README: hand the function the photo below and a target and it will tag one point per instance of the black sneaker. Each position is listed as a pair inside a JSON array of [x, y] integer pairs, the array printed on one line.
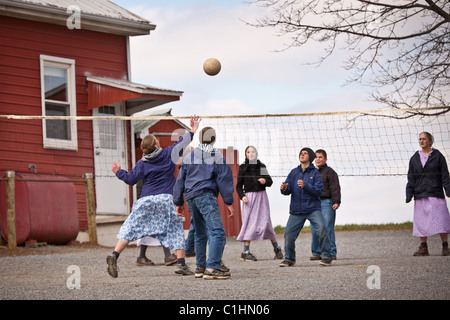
[[113, 270], [278, 253], [325, 262], [199, 271], [183, 270], [247, 256], [287, 263], [212, 274]]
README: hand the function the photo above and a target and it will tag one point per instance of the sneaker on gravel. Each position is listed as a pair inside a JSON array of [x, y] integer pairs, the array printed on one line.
[[247, 256], [212, 274], [113, 270], [278, 253], [286, 263], [183, 270], [325, 262], [422, 251], [199, 271]]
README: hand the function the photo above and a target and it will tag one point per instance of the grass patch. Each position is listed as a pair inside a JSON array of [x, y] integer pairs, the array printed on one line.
[[359, 227]]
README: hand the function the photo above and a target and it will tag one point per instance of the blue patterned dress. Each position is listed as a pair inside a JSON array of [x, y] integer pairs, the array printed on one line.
[[154, 216], [154, 213]]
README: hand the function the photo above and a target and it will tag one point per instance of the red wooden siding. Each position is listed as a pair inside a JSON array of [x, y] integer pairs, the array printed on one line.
[[232, 225], [21, 44], [167, 127]]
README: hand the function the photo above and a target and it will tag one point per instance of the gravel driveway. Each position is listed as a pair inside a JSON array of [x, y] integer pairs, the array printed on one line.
[[371, 265]]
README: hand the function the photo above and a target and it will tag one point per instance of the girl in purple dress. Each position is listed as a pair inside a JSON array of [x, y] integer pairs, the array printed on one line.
[[252, 181], [427, 177]]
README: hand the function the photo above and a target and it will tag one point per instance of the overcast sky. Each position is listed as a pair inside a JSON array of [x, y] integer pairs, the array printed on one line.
[[257, 77]]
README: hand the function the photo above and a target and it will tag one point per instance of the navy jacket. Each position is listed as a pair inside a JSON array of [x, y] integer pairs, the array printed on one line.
[[427, 181], [202, 172], [157, 172], [307, 199]]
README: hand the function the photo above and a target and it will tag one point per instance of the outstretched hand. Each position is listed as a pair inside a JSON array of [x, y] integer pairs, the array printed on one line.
[[115, 167], [195, 123]]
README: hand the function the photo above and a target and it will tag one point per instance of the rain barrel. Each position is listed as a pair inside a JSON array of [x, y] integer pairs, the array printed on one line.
[[44, 211]]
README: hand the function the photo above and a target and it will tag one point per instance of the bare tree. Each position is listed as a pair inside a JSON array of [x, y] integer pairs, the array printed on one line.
[[401, 48]]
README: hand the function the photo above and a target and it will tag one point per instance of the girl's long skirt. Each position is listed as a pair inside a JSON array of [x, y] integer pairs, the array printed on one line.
[[154, 216], [256, 222], [431, 217]]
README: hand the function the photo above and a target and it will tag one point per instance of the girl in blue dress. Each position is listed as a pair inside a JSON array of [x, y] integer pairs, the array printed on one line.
[[154, 213]]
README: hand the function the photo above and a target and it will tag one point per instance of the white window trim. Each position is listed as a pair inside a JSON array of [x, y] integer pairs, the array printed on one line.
[[69, 65]]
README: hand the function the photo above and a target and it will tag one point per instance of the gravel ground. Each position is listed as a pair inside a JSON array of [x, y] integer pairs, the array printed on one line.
[[364, 257]]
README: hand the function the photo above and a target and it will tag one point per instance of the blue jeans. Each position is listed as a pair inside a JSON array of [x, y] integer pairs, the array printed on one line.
[[294, 226], [329, 218], [208, 226], [189, 246]]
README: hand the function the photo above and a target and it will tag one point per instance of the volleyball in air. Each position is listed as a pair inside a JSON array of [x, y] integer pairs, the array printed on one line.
[[211, 66]]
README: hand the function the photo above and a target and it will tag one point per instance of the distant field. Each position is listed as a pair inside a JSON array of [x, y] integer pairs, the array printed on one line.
[[358, 227]]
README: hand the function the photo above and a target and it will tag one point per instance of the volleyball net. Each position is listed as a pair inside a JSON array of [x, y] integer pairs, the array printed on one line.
[[376, 143], [358, 143]]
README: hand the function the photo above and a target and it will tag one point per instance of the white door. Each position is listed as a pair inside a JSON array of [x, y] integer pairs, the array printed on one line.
[[109, 145]]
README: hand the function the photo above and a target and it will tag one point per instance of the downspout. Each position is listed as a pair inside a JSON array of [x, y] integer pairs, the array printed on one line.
[[132, 136]]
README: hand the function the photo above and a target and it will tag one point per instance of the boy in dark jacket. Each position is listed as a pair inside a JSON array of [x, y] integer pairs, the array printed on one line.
[[304, 184], [330, 200], [203, 175]]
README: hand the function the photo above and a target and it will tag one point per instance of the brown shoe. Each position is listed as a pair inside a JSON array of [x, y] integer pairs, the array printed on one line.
[[421, 252], [144, 262], [170, 260], [223, 267], [445, 251]]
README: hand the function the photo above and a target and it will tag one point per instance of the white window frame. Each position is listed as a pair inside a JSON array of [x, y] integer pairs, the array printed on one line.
[[69, 65]]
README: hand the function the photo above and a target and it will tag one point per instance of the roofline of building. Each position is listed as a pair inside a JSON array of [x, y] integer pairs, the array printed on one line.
[[60, 16], [135, 87]]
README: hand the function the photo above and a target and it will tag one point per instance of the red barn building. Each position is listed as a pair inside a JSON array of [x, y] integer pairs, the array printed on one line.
[[50, 66]]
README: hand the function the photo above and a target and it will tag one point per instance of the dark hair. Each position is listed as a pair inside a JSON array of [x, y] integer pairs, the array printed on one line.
[[207, 135], [323, 152], [245, 152]]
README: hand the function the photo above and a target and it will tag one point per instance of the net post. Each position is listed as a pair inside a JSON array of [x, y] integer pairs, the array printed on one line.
[[11, 209], [90, 207]]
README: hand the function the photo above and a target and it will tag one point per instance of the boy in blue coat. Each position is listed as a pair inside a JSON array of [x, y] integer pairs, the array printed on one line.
[[203, 175], [304, 184]]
